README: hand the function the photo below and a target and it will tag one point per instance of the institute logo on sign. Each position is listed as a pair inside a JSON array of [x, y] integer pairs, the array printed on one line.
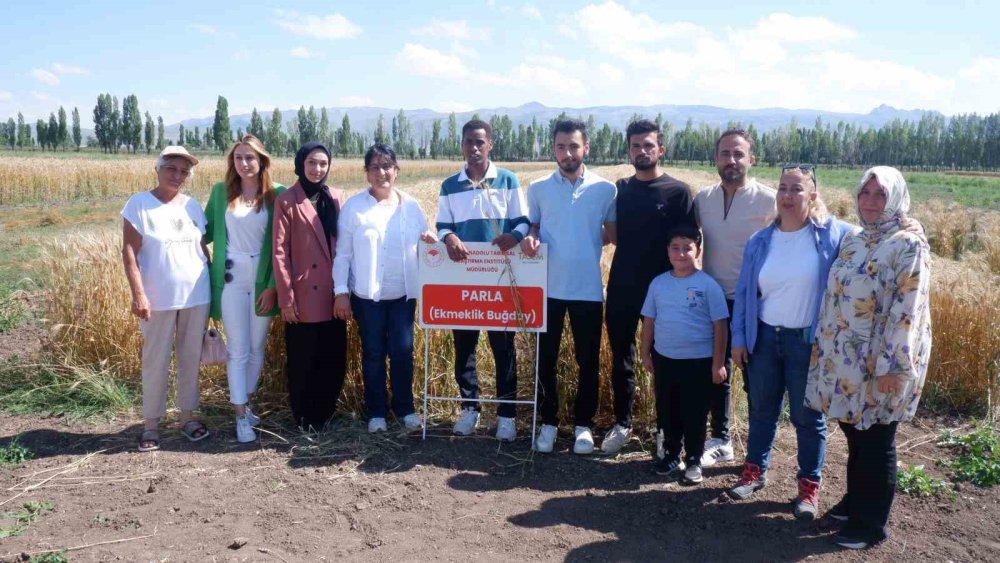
[[433, 255]]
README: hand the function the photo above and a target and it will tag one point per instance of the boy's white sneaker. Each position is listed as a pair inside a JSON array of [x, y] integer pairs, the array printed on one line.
[[251, 416], [467, 422], [584, 444], [615, 439], [412, 422], [546, 439], [506, 429], [377, 425]]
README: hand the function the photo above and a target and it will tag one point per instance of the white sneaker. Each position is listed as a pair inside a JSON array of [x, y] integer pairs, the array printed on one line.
[[467, 422], [251, 416], [717, 449], [546, 439], [377, 425], [506, 429], [584, 441], [660, 451], [412, 422], [693, 476], [615, 439], [244, 431]]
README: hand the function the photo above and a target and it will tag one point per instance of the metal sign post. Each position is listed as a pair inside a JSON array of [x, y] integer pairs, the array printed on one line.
[[491, 290]]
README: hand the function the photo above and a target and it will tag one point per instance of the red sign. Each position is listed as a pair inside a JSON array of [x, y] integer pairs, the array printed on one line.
[[483, 305]]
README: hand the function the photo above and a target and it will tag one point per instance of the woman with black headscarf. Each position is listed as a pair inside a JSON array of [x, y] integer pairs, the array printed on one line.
[[305, 237]]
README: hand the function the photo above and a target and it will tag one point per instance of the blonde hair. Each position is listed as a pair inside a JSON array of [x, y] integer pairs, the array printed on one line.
[[265, 195]]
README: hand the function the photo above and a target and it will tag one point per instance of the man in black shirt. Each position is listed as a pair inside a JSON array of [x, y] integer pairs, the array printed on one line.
[[650, 205]]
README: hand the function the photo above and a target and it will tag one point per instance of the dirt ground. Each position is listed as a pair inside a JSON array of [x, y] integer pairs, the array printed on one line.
[[344, 495]]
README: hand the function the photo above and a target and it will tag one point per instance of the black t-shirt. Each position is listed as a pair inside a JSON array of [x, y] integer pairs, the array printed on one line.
[[646, 214]]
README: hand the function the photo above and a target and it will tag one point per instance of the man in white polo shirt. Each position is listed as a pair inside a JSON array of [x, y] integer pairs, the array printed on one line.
[[573, 211], [729, 212]]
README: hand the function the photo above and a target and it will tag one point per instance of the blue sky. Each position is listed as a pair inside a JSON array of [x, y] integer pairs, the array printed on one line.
[[178, 57]]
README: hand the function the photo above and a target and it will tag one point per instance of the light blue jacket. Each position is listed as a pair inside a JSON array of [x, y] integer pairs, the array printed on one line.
[[747, 299]]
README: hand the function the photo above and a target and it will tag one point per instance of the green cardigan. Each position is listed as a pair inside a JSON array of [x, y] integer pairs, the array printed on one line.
[[215, 233]]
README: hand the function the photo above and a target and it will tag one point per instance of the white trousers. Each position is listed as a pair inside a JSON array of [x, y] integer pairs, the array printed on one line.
[[246, 333]]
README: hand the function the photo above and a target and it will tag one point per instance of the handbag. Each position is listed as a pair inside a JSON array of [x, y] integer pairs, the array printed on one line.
[[213, 348]]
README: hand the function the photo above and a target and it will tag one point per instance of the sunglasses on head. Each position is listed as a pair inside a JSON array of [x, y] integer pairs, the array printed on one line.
[[802, 167], [229, 266]]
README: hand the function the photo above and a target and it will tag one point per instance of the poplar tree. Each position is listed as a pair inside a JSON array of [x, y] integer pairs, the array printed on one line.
[[63, 132], [77, 135], [53, 132], [181, 139], [41, 132], [274, 139], [220, 127], [149, 133], [256, 125], [159, 133]]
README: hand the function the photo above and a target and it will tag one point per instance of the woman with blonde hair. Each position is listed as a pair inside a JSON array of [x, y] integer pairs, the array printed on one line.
[[870, 360], [785, 266], [240, 211]]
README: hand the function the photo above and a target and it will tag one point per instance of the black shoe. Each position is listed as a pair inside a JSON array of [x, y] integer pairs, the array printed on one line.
[[850, 540], [839, 511], [670, 467]]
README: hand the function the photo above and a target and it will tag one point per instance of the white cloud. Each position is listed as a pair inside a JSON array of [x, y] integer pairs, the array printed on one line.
[[69, 69], [205, 28], [450, 29], [424, 61], [354, 101], [332, 26], [612, 28], [41, 96], [45, 77], [876, 80], [530, 11], [983, 69], [786, 28], [302, 53], [548, 79]]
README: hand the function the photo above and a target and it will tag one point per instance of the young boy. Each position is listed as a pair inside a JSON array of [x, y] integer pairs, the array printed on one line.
[[684, 329]]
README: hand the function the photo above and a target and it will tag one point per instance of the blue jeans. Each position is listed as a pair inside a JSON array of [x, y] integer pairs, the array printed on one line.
[[780, 362], [386, 329]]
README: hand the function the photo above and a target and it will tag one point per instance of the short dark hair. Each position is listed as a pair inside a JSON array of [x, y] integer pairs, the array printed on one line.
[[689, 232], [570, 126], [380, 150], [475, 124], [734, 133], [642, 127]]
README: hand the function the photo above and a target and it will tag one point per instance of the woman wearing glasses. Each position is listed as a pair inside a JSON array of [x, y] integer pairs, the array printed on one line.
[[305, 239], [781, 283], [167, 270], [874, 340], [239, 212], [375, 279]]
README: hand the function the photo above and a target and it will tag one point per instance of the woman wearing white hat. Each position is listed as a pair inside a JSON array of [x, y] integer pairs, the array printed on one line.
[[167, 270]]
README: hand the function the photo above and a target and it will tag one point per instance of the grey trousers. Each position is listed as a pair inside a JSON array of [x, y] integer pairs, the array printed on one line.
[[181, 331]]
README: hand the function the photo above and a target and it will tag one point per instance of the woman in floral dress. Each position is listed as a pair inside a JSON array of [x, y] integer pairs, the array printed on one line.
[[873, 341]]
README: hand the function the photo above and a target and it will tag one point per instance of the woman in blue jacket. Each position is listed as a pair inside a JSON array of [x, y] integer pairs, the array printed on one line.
[[784, 272]]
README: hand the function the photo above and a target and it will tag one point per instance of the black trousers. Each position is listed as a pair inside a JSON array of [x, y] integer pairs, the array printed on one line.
[[683, 388], [722, 393], [585, 322], [316, 361], [871, 479], [505, 358], [621, 314]]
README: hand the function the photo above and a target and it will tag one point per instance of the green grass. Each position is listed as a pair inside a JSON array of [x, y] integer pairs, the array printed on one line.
[[978, 460], [13, 310], [14, 454], [50, 557], [915, 481], [23, 518], [75, 393]]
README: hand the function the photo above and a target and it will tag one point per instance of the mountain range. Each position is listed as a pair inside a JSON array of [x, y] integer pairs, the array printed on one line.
[[421, 120]]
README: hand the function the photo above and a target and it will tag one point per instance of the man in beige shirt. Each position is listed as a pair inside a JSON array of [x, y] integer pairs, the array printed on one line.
[[729, 212]]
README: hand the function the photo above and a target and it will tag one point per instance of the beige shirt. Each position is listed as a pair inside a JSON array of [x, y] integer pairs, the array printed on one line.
[[727, 235]]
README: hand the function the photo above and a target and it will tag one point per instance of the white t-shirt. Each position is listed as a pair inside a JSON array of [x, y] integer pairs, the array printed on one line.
[[789, 279], [245, 228], [173, 267]]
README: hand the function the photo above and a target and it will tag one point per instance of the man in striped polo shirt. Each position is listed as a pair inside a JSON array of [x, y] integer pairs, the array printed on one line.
[[482, 203]]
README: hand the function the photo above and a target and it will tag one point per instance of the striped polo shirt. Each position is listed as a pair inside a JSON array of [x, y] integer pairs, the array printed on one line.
[[481, 213]]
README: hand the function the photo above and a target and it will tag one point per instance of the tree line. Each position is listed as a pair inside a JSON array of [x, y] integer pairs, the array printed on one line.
[[967, 141]]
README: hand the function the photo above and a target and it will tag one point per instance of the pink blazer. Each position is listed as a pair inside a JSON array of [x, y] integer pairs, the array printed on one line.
[[303, 258]]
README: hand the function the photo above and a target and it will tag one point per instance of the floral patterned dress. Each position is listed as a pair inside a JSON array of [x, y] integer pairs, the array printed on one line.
[[874, 321]]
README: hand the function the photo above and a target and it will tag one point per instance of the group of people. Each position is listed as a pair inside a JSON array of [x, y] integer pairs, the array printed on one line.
[[834, 315]]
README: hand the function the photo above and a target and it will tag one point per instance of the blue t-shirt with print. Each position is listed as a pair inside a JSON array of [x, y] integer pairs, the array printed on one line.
[[683, 310]]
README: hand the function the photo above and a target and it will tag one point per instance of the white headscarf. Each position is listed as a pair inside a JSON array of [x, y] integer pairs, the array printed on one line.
[[897, 197]]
